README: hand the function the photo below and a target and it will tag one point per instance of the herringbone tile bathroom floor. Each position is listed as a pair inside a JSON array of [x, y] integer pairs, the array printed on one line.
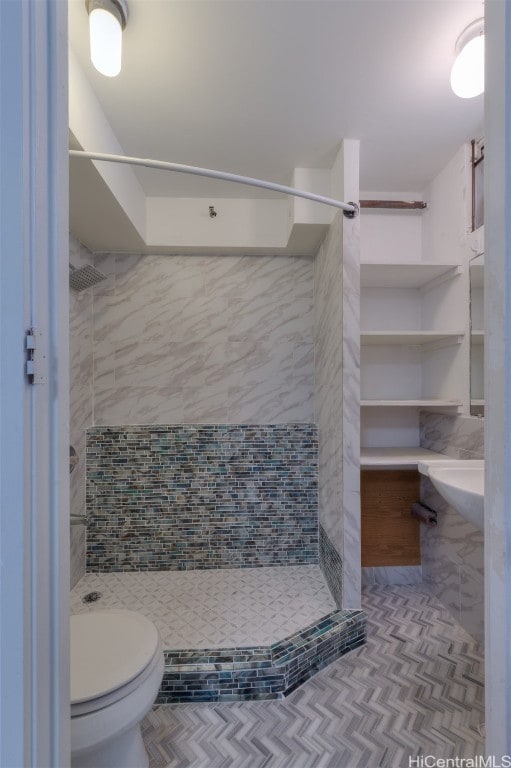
[[415, 688]]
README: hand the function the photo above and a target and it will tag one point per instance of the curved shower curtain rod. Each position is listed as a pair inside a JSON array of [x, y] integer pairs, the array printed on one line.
[[350, 209]]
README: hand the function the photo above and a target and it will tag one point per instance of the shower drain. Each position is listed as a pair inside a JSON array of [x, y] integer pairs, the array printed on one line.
[[92, 597]]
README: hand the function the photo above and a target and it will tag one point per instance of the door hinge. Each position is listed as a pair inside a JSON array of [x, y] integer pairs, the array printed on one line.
[[36, 365]]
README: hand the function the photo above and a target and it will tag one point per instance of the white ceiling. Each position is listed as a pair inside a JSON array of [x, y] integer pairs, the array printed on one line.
[[259, 87]]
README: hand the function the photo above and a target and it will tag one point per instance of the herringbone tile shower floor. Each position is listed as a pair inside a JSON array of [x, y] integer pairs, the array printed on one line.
[[415, 688]]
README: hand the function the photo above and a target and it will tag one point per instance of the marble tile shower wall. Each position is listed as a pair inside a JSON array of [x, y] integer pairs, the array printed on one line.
[[201, 496], [203, 339], [328, 330], [452, 553], [329, 374], [80, 400]]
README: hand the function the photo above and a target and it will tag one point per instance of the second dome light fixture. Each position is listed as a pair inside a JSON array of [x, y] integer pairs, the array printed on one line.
[[467, 74], [107, 19]]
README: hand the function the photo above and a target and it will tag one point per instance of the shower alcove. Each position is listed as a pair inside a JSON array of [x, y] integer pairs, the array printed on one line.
[[212, 532]]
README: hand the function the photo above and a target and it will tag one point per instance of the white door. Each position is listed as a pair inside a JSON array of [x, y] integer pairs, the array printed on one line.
[[497, 350], [34, 526]]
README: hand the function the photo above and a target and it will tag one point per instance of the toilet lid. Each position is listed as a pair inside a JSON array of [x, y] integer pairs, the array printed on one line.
[[108, 649]]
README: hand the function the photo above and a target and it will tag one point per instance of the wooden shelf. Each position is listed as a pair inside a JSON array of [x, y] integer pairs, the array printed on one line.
[[405, 275], [452, 405], [409, 338]]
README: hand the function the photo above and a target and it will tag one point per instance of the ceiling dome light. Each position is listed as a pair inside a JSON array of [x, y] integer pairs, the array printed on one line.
[[107, 19], [467, 74]]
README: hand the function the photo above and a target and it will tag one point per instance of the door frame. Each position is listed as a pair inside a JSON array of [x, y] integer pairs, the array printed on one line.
[[34, 417]]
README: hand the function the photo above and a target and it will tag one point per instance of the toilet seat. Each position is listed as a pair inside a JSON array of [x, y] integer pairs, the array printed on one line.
[[112, 653]]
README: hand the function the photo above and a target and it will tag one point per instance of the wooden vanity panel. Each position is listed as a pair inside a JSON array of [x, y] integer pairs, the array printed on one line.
[[390, 535]]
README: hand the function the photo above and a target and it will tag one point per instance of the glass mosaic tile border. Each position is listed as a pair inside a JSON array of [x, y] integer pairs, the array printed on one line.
[[330, 562], [256, 673]]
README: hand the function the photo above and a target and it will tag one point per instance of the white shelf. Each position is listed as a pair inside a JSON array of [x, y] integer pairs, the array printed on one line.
[[409, 338], [396, 458], [477, 402], [477, 338], [418, 403], [405, 275], [414, 323]]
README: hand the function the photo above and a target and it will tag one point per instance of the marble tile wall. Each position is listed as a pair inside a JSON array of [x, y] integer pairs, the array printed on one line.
[[452, 553], [80, 398], [185, 497], [398, 575], [328, 305], [461, 437], [337, 335], [203, 339], [352, 585]]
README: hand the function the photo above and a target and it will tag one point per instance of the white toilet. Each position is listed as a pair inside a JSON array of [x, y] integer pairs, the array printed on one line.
[[116, 671]]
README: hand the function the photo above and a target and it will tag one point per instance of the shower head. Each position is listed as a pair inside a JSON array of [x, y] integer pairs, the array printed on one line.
[[84, 277]]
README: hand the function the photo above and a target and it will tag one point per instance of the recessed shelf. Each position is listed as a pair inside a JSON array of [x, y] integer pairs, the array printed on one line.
[[409, 338], [405, 275], [418, 403], [396, 458], [477, 338], [414, 331]]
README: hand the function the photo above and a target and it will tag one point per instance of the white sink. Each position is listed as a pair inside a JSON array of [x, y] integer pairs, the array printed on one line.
[[461, 484]]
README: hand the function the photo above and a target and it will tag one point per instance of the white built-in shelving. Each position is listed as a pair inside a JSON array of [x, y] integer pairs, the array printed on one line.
[[422, 402], [414, 317], [406, 327], [421, 274], [410, 338], [396, 458]]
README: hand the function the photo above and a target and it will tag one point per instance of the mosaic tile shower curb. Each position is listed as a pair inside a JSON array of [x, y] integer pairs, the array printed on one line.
[[189, 496], [330, 562], [257, 673]]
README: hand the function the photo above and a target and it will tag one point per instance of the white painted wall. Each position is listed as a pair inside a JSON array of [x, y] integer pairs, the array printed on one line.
[[318, 181], [446, 236], [240, 223], [376, 433], [91, 129], [446, 220], [388, 236]]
